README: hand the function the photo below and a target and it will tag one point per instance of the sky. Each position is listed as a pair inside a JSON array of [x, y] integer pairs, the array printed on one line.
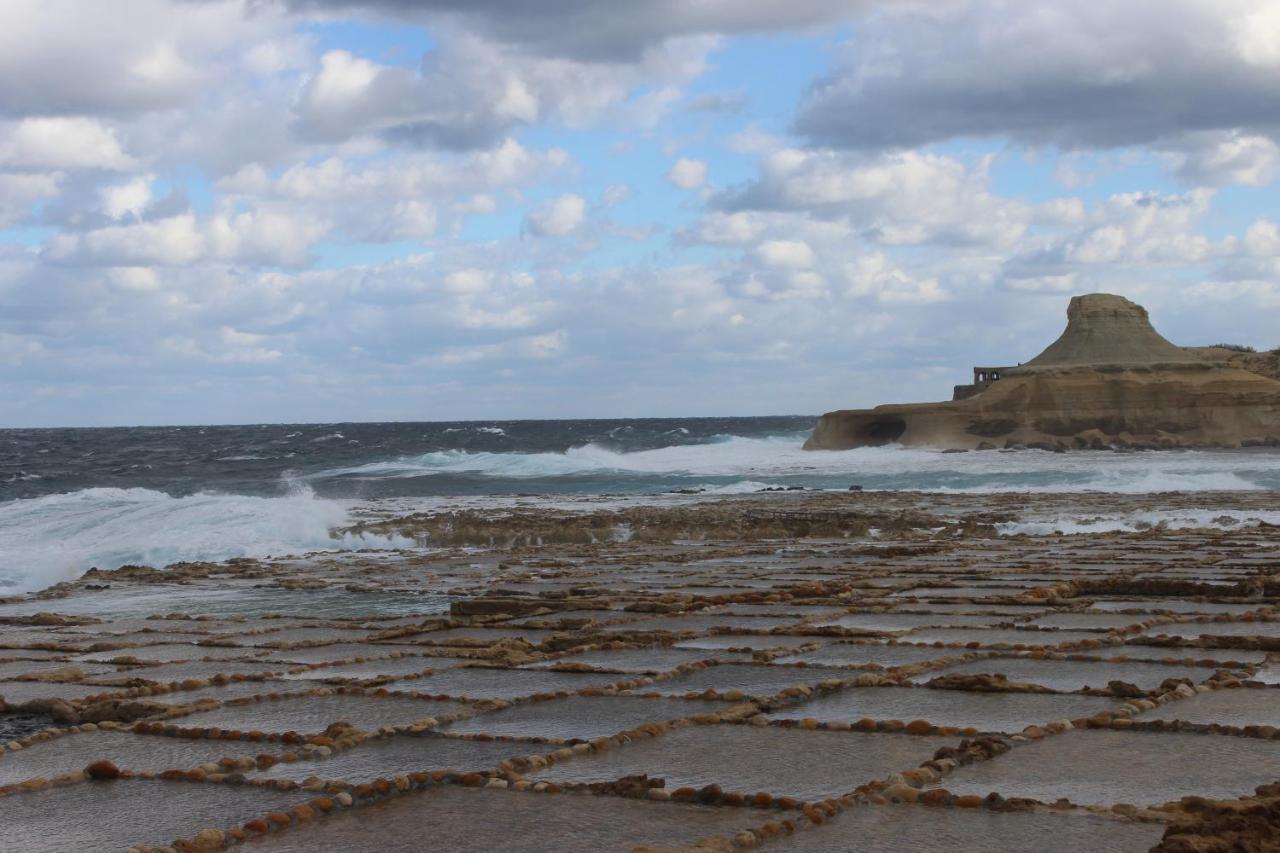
[[243, 211]]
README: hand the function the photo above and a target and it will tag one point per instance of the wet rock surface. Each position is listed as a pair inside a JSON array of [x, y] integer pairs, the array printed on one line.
[[798, 671]]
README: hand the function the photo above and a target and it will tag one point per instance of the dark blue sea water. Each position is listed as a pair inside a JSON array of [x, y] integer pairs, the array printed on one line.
[[370, 459], [75, 498]]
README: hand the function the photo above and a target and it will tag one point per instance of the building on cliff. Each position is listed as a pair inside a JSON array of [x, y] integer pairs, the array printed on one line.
[[1110, 380]]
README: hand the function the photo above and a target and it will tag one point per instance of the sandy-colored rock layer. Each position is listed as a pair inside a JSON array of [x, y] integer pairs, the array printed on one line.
[[1109, 381]]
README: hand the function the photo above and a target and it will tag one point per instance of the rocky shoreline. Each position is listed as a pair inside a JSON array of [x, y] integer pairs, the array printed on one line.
[[795, 671]]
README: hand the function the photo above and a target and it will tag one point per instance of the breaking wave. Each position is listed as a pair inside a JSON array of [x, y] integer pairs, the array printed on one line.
[[743, 463], [55, 538]]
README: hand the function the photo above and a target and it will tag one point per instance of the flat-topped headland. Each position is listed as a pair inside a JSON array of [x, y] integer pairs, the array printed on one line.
[[1110, 380]]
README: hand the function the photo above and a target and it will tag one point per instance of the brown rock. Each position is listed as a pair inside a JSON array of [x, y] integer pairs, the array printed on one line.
[[936, 797], [103, 769]]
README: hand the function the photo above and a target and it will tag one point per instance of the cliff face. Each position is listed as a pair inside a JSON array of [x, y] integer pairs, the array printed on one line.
[[1110, 380], [1263, 363]]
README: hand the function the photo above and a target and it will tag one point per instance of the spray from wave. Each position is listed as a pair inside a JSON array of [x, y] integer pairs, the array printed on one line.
[[55, 538]]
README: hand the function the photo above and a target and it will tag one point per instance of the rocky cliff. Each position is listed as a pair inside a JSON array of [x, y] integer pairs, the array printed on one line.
[[1110, 380]]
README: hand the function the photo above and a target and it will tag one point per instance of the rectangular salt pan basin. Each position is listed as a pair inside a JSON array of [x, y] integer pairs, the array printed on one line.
[[912, 829], [292, 636], [231, 690], [131, 600], [340, 652], [753, 680], [1191, 630], [802, 610], [399, 667], [167, 672], [960, 592], [979, 607], [1097, 767], [309, 714], [27, 668], [387, 757], [172, 652], [1073, 675], [460, 820], [19, 692], [747, 641], [1172, 605], [582, 717], [908, 621], [986, 712], [1099, 621], [1240, 707], [70, 753], [992, 637], [486, 683], [1137, 650], [472, 636], [701, 622], [641, 660], [862, 654], [783, 762], [121, 814]]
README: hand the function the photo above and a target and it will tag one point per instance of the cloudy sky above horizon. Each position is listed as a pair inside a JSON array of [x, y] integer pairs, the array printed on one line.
[[228, 211]]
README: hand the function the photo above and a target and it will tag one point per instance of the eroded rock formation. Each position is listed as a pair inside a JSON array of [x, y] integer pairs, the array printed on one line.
[[1110, 380]]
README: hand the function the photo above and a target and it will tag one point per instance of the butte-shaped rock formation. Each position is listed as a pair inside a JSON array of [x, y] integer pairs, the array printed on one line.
[[1110, 380]]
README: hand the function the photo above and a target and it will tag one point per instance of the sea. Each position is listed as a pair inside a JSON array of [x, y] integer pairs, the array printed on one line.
[[75, 498]]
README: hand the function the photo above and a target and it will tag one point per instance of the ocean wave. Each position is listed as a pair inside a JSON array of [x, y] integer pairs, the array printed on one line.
[[780, 460], [55, 538]]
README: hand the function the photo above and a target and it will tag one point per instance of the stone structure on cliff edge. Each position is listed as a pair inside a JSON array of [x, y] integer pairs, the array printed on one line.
[[1110, 380]]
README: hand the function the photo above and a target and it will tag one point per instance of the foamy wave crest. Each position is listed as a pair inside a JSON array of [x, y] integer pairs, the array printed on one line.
[[50, 539], [723, 456], [780, 459]]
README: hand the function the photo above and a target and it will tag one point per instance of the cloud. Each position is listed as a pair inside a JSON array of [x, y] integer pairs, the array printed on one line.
[[411, 195], [1138, 230], [874, 275], [89, 58], [262, 210], [255, 236], [785, 254], [902, 198], [601, 30], [557, 217], [18, 192], [129, 198], [1073, 73], [1227, 157], [61, 143], [1263, 239], [688, 174], [470, 92]]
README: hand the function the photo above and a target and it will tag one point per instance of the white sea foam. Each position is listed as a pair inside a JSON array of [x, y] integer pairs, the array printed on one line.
[[55, 538], [764, 460], [1169, 519]]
